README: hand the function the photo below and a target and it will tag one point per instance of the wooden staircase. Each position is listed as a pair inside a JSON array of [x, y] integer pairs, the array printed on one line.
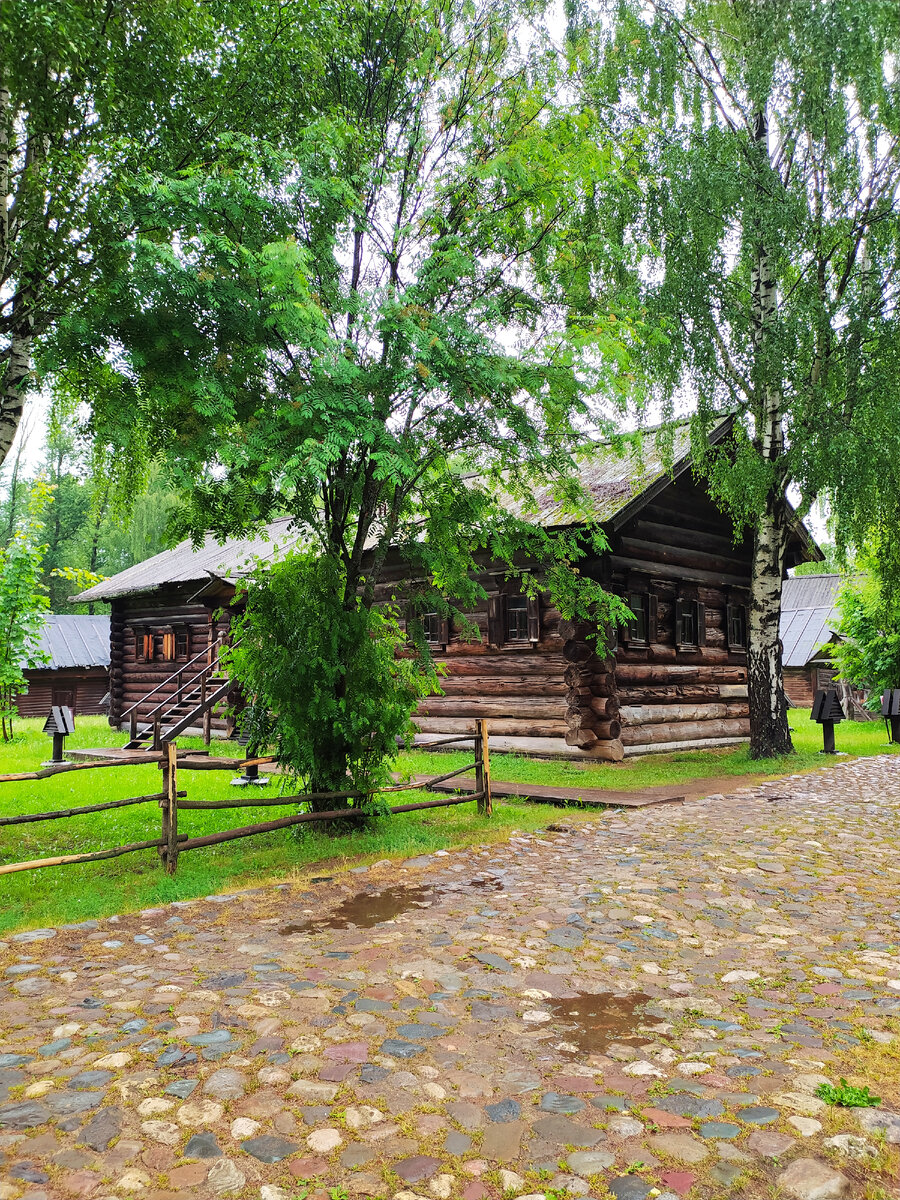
[[190, 695]]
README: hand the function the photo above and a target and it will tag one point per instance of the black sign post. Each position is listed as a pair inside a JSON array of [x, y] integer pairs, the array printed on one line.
[[890, 710], [828, 711], [59, 725]]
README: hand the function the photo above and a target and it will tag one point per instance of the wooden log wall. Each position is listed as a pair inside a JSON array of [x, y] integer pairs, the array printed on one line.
[[130, 678], [680, 546], [83, 690]]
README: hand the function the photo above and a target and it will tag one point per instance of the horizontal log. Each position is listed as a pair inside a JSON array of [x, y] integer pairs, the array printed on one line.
[[533, 686], [676, 673], [638, 751], [525, 728], [687, 558], [672, 535], [474, 706], [514, 664], [662, 714], [555, 747], [680, 574], [64, 859], [677, 692], [675, 731], [29, 818]]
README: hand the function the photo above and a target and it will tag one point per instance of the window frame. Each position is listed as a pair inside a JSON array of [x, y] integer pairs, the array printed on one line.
[[687, 604]]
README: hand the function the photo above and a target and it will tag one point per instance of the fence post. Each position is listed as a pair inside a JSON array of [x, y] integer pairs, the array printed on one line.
[[483, 769], [169, 805]]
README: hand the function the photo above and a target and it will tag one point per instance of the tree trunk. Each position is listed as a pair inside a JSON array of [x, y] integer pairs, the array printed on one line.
[[769, 732]]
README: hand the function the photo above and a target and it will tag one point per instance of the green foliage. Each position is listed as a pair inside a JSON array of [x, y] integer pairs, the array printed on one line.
[[23, 599], [869, 655], [333, 676], [846, 1096]]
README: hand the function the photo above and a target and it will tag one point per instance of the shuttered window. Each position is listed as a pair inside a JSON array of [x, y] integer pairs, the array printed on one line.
[[690, 624], [736, 621], [514, 618], [168, 647], [638, 628], [436, 629]]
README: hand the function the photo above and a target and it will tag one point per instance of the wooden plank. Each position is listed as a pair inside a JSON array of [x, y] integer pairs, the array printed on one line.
[[569, 795]]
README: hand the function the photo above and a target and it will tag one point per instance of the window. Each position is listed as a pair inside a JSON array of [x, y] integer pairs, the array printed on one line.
[[638, 626], [143, 645], [690, 624], [517, 618], [514, 619], [736, 619], [431, 625], [182, 642]]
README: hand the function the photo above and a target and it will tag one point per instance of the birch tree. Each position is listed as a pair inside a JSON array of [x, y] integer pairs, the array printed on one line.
[[766, 248]]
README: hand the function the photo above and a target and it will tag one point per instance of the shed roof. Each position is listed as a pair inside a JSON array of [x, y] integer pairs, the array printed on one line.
[[809, 616], [73, 641]]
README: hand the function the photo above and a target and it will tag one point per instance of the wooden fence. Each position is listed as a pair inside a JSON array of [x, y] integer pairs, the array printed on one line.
[[172, 802]]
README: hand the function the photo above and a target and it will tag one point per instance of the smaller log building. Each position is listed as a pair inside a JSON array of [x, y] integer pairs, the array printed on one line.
[[809, 620], [76, 673], [676, 679]]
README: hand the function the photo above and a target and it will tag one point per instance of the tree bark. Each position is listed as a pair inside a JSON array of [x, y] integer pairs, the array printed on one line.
[[769, 732]]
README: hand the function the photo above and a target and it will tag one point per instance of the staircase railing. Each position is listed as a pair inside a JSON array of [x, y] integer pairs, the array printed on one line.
[[200, 680]]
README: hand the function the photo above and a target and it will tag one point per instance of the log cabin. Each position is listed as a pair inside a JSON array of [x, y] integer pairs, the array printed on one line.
[[75, 670], [675, 679]]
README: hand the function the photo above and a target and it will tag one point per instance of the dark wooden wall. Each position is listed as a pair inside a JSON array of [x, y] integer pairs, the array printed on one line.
[[130, 678], [556, 697], [82, 689], [681, 545]]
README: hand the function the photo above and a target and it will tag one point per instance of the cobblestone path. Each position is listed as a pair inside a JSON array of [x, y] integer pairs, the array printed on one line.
[[639, 1005]]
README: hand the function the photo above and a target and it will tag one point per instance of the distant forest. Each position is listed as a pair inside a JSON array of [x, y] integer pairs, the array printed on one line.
[[86, 527]]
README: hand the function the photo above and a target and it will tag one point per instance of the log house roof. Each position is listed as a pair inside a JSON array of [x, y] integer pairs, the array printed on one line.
[[619, 480]]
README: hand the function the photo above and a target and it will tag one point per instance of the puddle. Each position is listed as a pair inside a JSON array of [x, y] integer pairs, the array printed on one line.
[[366, 909], [593, 1022]]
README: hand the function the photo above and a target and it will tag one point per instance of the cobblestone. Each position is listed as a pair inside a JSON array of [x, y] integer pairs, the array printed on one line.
[[645, 1003]]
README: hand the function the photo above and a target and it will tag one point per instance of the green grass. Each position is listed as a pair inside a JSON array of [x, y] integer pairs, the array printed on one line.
[[56, 895], [654, 770]]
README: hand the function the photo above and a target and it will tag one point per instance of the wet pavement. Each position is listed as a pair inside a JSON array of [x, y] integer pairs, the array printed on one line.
[[641, 1005]]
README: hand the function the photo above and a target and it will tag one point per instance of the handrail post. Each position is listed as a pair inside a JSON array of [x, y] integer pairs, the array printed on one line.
[[169, 805], [207, 713], [157, 732], [483, 770], [132, 726], [180, 691]]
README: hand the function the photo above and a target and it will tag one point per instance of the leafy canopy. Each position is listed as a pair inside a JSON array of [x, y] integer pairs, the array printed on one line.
[[357, 320]]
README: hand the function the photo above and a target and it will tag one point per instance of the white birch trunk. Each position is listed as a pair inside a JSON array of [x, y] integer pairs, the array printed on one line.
[[769, 731]]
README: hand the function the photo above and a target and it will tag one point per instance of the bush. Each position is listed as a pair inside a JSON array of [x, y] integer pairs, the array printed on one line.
[[324, 678]]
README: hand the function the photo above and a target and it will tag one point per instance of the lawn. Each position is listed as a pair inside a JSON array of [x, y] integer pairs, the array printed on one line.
[[77, 892]]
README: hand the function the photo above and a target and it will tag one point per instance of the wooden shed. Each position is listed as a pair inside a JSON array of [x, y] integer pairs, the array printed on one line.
[[76, 673], [677, 678], [809, 620]]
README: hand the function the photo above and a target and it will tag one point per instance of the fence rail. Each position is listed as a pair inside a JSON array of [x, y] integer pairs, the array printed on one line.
[[172, 843]]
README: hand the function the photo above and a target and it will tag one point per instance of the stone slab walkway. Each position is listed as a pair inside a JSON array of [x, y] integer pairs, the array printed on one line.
[[640, 1007]]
